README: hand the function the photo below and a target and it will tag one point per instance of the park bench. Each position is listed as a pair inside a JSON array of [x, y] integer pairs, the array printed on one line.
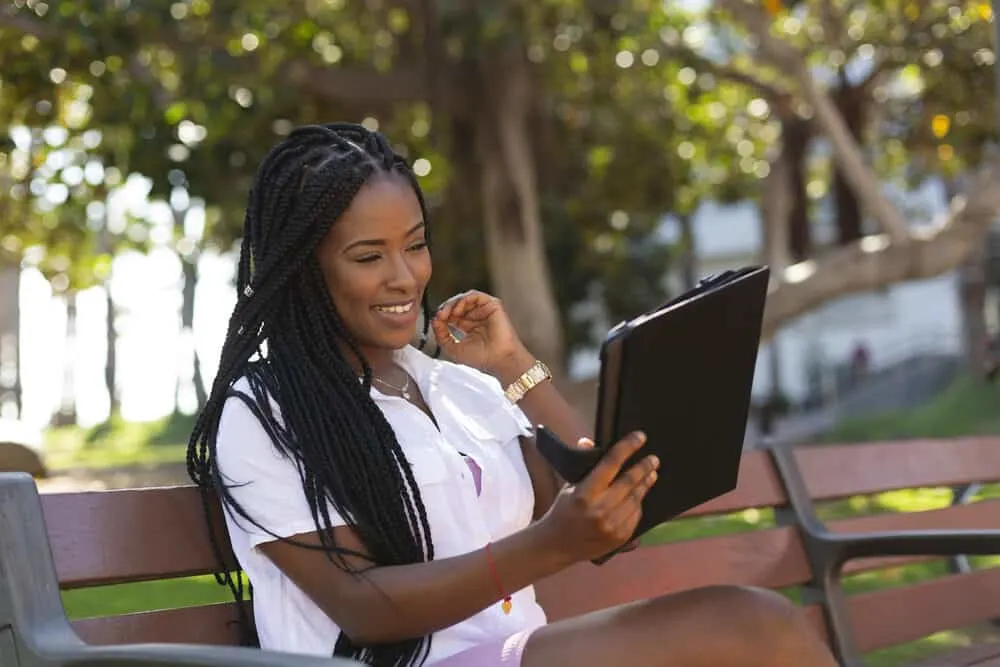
[[100, 538]]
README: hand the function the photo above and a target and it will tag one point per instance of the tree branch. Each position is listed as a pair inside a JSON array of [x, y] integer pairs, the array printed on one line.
[[847, 153], [359, 84], [766, 90], [876, 261]]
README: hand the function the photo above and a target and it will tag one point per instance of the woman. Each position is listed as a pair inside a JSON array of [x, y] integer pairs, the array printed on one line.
[[391, 507]]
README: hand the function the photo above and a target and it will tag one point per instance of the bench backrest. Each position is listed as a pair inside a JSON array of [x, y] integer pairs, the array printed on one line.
[[101, 538]]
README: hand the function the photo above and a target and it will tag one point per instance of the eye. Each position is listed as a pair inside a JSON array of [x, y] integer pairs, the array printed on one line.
[[367, 259], [418, 246]]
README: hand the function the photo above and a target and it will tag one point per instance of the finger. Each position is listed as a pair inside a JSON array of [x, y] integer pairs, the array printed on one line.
[[444, 310], [631, 546], [470, 302], [475, 311], [585, 443], [634, 483], [607, 469], [623, 522], [625, 517], [445, 335]]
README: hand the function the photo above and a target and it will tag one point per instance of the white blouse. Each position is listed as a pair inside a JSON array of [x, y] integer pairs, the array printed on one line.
[[475, 419]]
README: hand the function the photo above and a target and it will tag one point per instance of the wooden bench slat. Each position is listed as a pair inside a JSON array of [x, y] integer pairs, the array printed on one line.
[[894, 616], [93, 533], [106, 537], [771, 558], [836, 471], [213, 624]]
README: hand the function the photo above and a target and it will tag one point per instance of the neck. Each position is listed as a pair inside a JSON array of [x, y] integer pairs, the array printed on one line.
[[379, 359]]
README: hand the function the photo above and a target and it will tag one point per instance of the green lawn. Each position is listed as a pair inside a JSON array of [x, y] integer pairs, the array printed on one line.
[[967, 407], [118, 443]]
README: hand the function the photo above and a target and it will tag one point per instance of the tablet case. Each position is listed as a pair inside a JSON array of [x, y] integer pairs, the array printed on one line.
[[683, 374]]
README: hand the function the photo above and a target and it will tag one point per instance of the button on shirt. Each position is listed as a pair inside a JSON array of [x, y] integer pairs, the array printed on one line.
[[474, 419]]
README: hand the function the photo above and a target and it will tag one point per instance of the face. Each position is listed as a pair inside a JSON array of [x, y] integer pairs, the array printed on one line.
[[376, 265]]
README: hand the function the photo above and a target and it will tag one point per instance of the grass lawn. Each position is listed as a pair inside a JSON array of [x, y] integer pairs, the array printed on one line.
[[118, 443], [967, 407]]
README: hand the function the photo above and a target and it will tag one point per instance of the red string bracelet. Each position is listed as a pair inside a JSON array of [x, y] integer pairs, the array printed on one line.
[[506, 604]]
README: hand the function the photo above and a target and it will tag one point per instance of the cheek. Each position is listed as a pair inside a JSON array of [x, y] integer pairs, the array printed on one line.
[[423, 268], [348, 288]]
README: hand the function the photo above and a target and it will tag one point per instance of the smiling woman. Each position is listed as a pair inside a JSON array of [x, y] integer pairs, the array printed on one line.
[[392, 507]]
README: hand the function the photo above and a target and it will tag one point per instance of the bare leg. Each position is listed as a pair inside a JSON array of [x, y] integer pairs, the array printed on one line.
[[723, 626]]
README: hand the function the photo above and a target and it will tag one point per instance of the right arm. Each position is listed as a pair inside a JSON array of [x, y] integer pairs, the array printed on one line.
[[392, 603]]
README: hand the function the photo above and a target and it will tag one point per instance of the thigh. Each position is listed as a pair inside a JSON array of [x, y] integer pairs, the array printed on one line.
[[709, 627]]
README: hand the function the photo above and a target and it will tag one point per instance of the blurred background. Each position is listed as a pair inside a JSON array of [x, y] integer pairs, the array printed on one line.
[[583, 160]]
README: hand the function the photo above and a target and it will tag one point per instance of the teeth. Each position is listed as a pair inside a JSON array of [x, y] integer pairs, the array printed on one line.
[[395, 309]]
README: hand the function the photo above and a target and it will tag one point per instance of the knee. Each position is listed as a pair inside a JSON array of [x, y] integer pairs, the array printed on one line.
[[764, 623], [757, 609]]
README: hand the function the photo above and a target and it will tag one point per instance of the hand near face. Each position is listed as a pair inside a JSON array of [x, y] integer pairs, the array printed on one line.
[[487, 340]]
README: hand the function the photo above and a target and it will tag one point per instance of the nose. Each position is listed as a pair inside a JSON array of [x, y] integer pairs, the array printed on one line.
[[401, 277]]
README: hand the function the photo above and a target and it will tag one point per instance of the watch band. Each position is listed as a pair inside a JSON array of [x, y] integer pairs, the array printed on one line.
[[531, 378]]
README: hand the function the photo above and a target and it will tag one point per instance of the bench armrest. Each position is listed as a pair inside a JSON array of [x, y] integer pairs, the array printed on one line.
[[850, 546], [34, 631], [182, 655]]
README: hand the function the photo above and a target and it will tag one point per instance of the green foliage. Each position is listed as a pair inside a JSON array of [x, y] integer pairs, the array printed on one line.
[[968, 407], [643, 109]]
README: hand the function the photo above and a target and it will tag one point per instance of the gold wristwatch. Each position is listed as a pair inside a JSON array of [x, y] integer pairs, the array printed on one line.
[[531, 378]]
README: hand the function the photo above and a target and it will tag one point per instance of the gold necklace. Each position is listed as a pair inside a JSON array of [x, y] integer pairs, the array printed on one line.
[[404, 390]]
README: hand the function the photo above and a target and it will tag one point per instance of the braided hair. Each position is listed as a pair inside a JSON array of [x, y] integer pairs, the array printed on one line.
[[287, 339]]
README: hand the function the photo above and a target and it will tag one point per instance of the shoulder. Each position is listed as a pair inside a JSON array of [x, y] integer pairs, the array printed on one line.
[[245, 423]]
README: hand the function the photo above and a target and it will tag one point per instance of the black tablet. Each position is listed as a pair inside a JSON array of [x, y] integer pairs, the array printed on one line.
[[683, 374]]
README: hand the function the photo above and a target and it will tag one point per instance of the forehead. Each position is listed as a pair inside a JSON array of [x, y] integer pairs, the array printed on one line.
[[384, 208]]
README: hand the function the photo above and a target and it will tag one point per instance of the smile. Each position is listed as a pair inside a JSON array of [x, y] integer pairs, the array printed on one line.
[[400, 309]]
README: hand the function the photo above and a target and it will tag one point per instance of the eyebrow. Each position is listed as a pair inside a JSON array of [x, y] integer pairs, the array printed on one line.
[[381, 242]]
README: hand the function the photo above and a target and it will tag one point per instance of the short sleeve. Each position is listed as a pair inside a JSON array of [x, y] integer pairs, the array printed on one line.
[[263, 482], [482, 398]]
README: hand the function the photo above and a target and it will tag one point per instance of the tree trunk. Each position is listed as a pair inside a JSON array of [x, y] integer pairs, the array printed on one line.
[[10, 316], [66, 416], [795, 136], [111, 353], [972, 296], [513, 230], [689, 254], [851, 102], [189, 267]]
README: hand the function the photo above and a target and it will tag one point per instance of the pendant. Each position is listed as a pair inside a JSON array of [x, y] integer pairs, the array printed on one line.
[[406, 395], [506, 605]]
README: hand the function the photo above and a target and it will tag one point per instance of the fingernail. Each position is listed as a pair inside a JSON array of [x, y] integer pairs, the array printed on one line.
[[656, 462], [652, 478], [640, 436]]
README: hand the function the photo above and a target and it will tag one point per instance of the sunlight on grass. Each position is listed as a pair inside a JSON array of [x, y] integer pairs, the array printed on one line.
[[905, 654], [143, 596], [118, 443]]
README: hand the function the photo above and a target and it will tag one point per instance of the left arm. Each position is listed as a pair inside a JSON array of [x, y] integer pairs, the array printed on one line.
[[543, 404]]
